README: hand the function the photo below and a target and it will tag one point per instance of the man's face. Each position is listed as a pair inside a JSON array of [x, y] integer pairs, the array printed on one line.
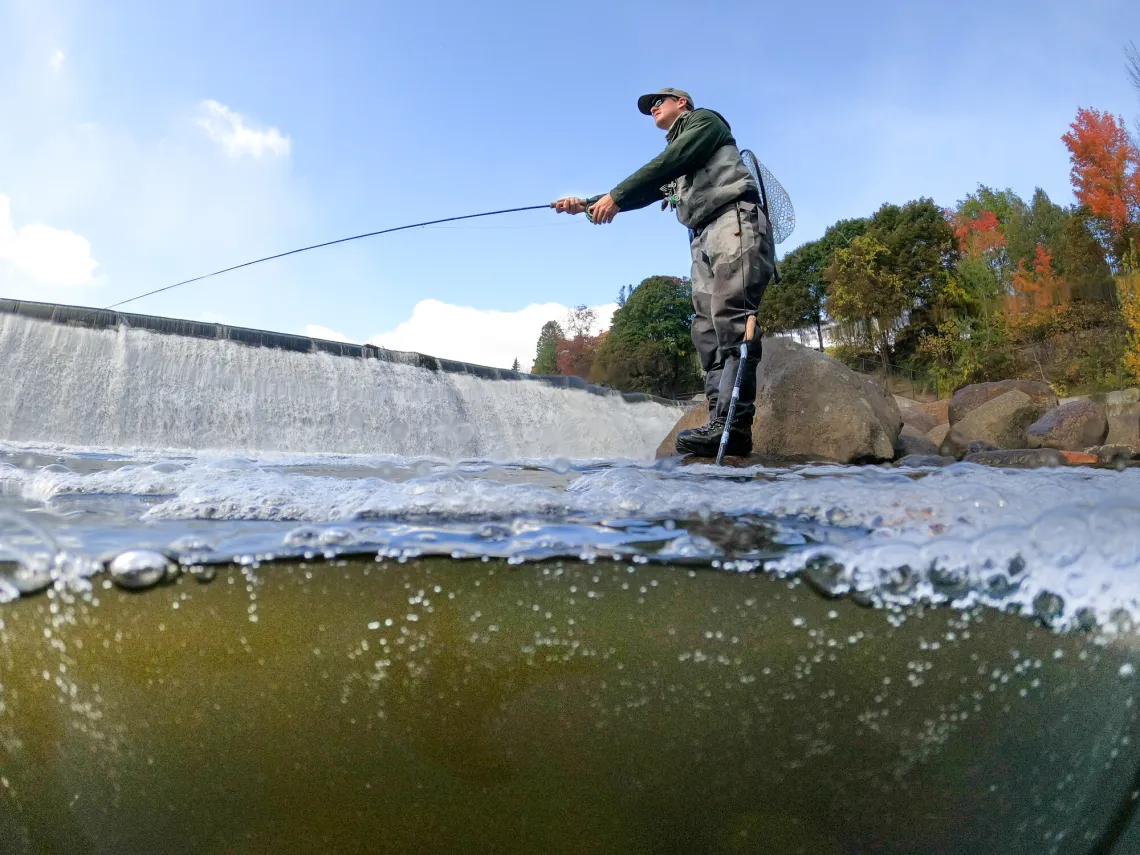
[[665, 111]]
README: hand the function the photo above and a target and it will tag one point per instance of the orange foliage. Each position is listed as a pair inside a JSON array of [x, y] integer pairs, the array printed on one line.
[[980, 237], [1037, 290], [1106, 174]]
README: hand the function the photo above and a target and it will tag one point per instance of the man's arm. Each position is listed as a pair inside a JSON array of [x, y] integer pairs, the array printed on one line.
[[703, 134]]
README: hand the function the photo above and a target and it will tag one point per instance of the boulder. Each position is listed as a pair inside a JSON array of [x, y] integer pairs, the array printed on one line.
[[912, 441], [914, 415], [1018, 458], [969, 398], [938, 410], [812, 407], [1115, 455], [938, 435], [693, 417], [1123, 429], [1001, 421], [1069, 427]]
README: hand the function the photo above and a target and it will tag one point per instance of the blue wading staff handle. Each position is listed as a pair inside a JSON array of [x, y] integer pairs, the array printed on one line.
[[749, 331]]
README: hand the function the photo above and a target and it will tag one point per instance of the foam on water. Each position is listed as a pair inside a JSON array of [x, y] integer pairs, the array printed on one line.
[[1063, 543]]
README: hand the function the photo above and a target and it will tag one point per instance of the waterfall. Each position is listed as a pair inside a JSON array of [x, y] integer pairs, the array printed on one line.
[[126, 386]]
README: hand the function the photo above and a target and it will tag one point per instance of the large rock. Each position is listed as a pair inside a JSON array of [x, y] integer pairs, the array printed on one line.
[[939, 409], [1069, 427], [1001, 421], [938, 435], [1123, 429], [812, 407], [914, 415], [911, 441], [969, 398]]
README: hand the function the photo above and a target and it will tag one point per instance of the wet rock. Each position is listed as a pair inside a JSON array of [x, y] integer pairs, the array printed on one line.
[[917, 460], [1023, 458], [969, 398], [914, 415], [912, 441], [1069, 427], [812, 407], [979, 445], [1114, 454], [693, 417], [1001, 421]]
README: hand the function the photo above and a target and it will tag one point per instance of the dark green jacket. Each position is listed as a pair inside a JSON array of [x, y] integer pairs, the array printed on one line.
[[690, 144]]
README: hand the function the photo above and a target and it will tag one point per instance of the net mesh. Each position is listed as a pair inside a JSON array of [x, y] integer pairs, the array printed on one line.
[[779, 205]]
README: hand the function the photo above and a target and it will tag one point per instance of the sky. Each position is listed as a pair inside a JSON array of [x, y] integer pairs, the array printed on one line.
[[145, 143]]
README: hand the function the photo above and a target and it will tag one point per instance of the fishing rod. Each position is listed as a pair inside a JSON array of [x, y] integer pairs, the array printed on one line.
[[318, 246]]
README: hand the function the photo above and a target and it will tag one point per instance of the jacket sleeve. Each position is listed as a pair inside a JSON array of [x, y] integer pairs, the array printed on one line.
[[704, 133]]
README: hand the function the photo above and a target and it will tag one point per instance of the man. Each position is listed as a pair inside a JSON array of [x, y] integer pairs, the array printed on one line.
[[717, 199]]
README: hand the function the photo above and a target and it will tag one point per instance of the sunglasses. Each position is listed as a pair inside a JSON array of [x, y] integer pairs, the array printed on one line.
[[662, 100]]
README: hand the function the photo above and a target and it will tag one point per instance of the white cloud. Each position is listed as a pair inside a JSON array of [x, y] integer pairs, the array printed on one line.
[[57, 59], [480, 336], [314, 331], [47, 255], [233, 133]]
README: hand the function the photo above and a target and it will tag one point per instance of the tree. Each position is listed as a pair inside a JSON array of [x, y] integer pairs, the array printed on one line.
[[1106, 178], [649, 347], [546, 355], [920, 249], [515, 364], [865, 290], [983, 264], [1129, 284], [580, 321], [576, 351], [576, 355], [1080, 259], [797, 300], [1039, 289]]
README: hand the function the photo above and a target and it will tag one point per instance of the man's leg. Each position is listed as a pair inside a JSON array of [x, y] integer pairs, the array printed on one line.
[[740, 256], [703, 332], [705, 341]]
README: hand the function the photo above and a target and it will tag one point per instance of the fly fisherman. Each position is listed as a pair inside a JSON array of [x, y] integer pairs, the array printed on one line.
[[702, 175]]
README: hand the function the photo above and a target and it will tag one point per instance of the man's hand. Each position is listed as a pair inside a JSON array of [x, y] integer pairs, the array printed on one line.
[[570, 205], [604, 210]]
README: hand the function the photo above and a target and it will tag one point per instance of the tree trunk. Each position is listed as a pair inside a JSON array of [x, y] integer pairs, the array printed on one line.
[[819, 333]]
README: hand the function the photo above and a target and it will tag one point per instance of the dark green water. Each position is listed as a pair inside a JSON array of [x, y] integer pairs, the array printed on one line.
[[455, 707]]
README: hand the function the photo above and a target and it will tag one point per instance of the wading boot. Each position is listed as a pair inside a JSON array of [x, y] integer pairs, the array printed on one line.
[[705, 440]]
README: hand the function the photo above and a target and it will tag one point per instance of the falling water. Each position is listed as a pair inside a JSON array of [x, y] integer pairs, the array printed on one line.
[[132, 388]]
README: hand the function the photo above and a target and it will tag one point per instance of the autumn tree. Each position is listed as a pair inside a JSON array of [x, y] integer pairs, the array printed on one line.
[[864, 289], [576, 351], [1106, 178], [1038, 288], [546, 355]]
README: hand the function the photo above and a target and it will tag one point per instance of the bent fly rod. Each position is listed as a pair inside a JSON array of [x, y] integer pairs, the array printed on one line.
[[320, 245]]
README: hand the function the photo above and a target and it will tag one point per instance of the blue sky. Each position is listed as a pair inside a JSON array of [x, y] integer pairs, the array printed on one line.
[[142, 143]]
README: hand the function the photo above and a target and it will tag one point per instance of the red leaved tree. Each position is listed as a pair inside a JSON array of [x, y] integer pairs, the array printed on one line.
[[1106, 177]]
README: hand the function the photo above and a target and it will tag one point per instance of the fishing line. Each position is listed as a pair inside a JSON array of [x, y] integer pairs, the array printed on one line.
[[316, 246]]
